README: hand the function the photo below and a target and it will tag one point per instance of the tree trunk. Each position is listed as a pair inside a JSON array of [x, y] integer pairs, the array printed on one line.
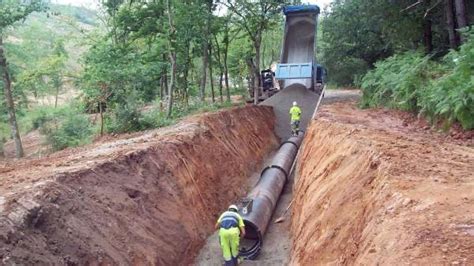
[[172, 83], [256, 69], [172, 57], [10, 103], [165, 83], [221, 79], [56, 97], [205, 61], [427, 33], [453, 37], [186, 73], [211, 79], [226, 71], [162, 85], [461, 16], [101, 112], [218, 57]]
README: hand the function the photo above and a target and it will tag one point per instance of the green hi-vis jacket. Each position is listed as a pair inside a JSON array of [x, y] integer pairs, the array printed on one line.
[[295, 113]]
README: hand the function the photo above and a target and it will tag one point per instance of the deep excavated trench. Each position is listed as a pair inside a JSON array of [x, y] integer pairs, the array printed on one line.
[[368, 189], [146, 199]]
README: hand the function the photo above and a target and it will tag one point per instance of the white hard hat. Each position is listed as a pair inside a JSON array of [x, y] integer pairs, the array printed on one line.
[[233, 207], [294, 103]]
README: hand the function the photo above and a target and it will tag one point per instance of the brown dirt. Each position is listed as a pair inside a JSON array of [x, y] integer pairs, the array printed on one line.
[[33, 146], [146, 198], [376, 188]]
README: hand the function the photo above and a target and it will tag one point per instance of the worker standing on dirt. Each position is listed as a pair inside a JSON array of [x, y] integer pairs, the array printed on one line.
[[231, 228], [295, 116]]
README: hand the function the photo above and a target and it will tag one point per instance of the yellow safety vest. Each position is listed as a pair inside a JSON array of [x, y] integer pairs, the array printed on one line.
[[295, 113]]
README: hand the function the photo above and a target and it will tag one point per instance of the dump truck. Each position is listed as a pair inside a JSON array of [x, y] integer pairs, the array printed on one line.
[[297, 60]]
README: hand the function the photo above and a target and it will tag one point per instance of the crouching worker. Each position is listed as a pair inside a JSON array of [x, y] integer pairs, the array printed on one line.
[[231, 228]]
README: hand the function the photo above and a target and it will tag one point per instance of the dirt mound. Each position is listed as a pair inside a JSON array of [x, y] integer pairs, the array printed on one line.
[[376, 190], [145, 199], [282, 102]]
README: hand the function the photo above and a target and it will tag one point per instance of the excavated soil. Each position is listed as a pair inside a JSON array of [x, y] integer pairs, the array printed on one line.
[[142, 199], [375, 188]]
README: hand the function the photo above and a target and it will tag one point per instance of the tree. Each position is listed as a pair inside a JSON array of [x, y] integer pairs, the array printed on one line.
[[461, 15], [255, 17], [451, 24], [172, 54], [358, 33], [12, 11]]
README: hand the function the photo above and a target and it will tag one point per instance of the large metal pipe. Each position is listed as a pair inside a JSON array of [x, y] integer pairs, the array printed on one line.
[[262, 200]]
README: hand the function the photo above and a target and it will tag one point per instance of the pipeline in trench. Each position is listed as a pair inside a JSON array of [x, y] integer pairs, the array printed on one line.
[[259, 206]]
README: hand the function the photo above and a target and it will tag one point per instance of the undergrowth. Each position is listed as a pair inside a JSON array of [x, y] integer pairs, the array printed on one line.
[[441, 91]]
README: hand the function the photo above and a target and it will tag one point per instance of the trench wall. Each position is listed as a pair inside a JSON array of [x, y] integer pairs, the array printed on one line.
[[388, 196], [154, 205]]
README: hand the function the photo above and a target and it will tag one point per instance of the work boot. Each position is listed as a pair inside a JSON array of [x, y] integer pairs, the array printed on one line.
[[230, 262]]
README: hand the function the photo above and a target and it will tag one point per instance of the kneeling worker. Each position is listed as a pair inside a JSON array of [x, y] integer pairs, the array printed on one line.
[[231, 228]]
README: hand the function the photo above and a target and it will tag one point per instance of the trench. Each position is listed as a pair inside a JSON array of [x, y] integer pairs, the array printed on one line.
[[149, 199], [365, 191]]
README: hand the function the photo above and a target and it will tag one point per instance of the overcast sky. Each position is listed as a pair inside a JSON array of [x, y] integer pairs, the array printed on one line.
[[93, 3]]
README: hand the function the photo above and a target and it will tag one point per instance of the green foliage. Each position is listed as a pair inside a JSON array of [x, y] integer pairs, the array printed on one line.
[[156, 118], [130, 118], [37, 117], [43, 51], [413, 82], [126, 117], [75, 130], [397, 81], [358, 33], [12, 11], [451, 96]]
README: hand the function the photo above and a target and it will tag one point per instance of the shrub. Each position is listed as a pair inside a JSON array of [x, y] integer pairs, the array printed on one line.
[[75, 130], [397, 81], [155, 119], [413, 82], [125, 117], [451, 97]]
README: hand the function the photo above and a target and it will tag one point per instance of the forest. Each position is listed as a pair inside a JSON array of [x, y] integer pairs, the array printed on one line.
[[75, 74]]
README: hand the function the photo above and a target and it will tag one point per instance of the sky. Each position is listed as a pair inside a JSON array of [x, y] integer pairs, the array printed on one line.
[[93, 3]]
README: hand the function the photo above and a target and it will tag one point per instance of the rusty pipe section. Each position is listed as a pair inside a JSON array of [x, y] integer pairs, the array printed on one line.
[[259, 206]]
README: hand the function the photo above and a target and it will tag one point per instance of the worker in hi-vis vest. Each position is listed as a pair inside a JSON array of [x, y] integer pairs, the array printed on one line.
[[231, 228], [295, 116]]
